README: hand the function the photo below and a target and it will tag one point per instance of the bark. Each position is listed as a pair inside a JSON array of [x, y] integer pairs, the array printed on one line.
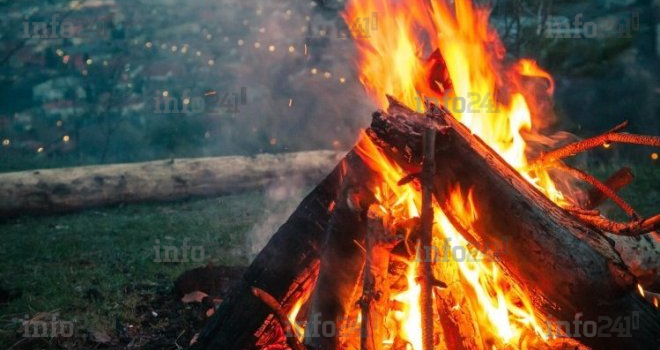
[[70, 189], [568, 266]]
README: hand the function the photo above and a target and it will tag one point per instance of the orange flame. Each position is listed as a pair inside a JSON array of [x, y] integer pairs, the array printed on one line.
[[393, 61], [506, 310]]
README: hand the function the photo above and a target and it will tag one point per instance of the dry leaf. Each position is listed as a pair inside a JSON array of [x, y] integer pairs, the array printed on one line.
[[194, 297]]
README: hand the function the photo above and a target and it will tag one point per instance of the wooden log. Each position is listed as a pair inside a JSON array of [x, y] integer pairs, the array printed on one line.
[[70, 189], [286, 268], [342, 259], [569, 267]]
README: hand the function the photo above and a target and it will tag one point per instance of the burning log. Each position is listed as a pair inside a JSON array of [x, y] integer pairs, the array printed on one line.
[[458, 326], [570, 267]]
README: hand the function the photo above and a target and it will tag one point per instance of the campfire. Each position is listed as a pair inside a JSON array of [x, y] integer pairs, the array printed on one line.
[[447, 227]]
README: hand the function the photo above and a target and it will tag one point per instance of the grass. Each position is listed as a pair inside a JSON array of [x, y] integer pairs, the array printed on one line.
[[91, 264]]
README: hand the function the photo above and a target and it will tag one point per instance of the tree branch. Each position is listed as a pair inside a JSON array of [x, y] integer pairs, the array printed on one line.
[[633, 228], [613, 135]]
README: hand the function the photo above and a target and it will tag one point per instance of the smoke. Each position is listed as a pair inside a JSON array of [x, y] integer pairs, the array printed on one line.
[[303, 94], [281, 199], [303, 91]]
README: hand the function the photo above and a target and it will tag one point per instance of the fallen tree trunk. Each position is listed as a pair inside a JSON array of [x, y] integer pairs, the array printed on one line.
[[569, 267], [70, 189]]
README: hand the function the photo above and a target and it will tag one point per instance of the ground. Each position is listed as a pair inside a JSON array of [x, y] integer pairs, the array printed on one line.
[[99, 265]]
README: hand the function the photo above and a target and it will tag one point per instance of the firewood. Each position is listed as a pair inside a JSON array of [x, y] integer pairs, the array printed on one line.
[[455, 312], [570, 267]]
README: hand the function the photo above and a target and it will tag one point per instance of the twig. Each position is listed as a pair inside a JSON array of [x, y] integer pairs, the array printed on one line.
[[618, 127], [367, 341], [577, 173], [633, 228], [428, 170], [280, 315], [612, 135], [176, 341], [617, 181], [582, 211]]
